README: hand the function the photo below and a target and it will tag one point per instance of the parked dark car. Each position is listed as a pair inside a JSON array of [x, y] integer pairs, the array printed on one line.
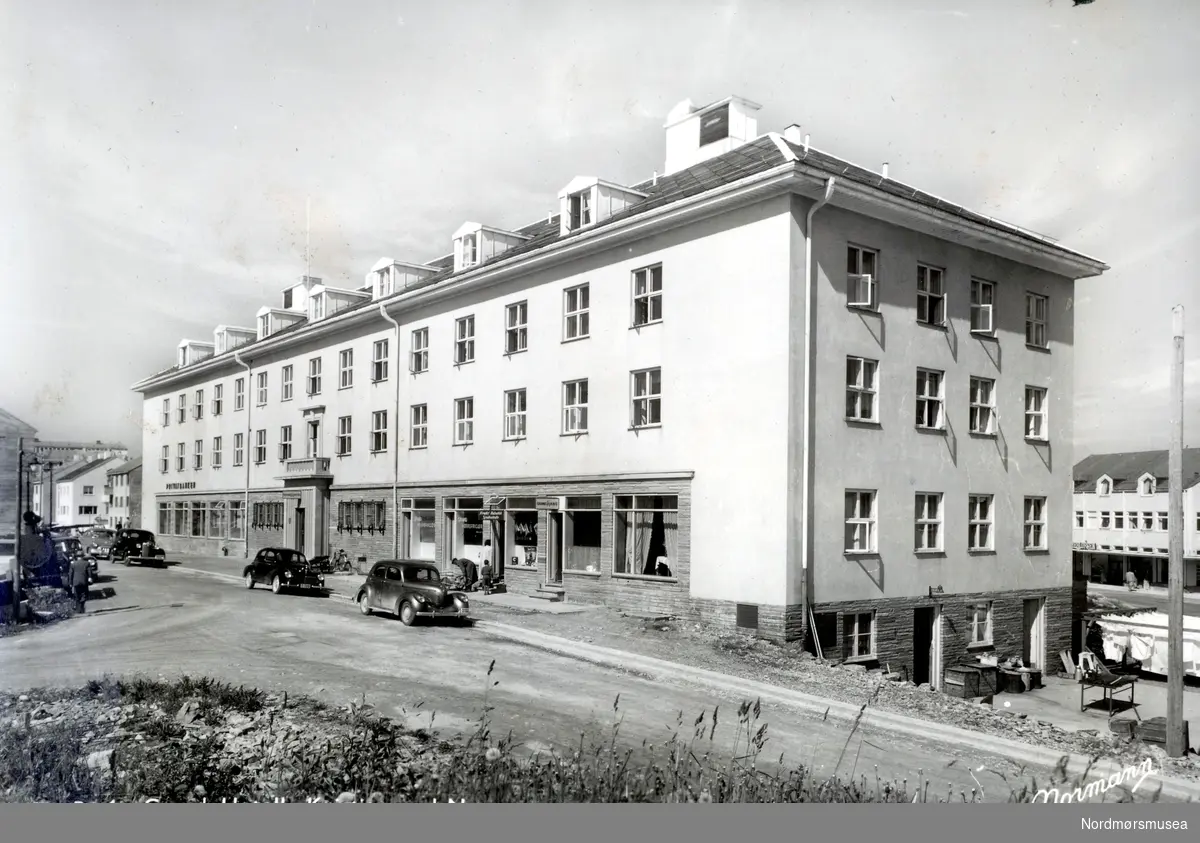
[[283, 569], [410, 589], [68, 549], [139, 546], [100, 541]]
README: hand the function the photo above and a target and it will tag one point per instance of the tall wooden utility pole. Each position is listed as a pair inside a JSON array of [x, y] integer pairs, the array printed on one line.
[[1176, 747]]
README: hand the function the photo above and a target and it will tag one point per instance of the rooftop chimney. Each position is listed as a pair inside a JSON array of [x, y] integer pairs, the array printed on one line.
[[883, 171], [792, 133], [697, 134]]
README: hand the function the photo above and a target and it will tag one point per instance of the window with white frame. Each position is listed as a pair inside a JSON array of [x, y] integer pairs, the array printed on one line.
[[164, 459], [470, 250], [1035, 413], [285, 443], [983, 298], [418, 435], [1147, 485], [516, 328], [983, 406], [1118, 521], [577, 312], [1035, 523], [285, 382], [379, 431], [464, 421], [1079, 518], [198, 456], [239, 394], [464, 340], [579, 208], [346, 368], [239, 448], [1104, 487], [1093, 519], [980, 617], [862, 376], [1105, 520], [862, 283], [927, 522], [180, 456], [260, 447], [198, 406], [858, 635], [314, 376], [645, 535], [379, 362], [647, 296], [575, 406], [930, 415], [1035, 320], [1163, 522], [514, 414], [418, 355], [218, 399], [1147, 520], [216, 452], [262, 389], [166, 412], [979, 522], [182, 411], [860, 521], [647, 398], [931, 295], [345, 435]]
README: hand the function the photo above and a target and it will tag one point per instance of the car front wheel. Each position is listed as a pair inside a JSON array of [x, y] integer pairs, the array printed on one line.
[[277, 585], [249, 580], [407, 614]]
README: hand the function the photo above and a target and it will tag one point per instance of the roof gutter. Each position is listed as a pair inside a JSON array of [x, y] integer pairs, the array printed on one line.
[[246, 457], [810, 392], [395, 441]]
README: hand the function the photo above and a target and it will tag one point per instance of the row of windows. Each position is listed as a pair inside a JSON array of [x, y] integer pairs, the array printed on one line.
[[218, 519], [1147, 486], [862, 523], [1117, 520], [862, 292], [862, 400], [858, 629]]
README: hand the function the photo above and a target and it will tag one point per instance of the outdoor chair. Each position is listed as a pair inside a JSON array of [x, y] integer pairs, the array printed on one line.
[[1097, 675]]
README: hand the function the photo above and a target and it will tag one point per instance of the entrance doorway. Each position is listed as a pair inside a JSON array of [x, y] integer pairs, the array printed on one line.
[[554, 566], [1033, 636], [494, 530], [927, 657], [300, 535]]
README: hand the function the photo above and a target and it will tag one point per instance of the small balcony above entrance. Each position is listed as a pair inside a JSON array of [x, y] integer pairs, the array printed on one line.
[[307, 467]]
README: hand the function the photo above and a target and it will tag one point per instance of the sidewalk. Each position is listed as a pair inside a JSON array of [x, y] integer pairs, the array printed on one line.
[[1156, 592]]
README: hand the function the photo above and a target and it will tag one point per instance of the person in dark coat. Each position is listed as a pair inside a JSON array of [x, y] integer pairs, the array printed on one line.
[[79, 581]]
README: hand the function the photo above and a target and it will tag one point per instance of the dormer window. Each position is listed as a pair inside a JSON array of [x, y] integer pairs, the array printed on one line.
[[317, 307], [183, 356], [383, 281], [475, 244], [1147, 485], [1104, 487], [580, 205], [470, 249], [264, 326]]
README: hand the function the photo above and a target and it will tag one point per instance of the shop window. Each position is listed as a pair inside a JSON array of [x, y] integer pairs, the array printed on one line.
[[581, 534], [181, 519], [521, 535], [216, 520], [199, 519], [419, 528], [237, 519], [465, 528], [645, 534]]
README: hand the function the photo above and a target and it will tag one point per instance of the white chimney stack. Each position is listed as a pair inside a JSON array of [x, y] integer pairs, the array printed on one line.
[[806, 143], [883, 171]]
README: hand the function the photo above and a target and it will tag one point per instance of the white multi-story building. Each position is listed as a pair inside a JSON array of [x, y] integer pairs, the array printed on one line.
[[1121, 517], [762, 387], [79, 491], [123, 495]]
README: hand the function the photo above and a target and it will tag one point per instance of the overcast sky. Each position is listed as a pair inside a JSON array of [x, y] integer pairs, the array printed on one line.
[[155, 157]]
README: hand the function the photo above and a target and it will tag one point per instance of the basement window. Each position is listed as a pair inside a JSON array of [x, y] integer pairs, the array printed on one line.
[[714, 126]]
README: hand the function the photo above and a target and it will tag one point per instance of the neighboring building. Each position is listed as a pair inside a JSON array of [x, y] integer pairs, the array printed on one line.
[[49, 459], [79, 491], [654, 372], [15, 435], [1121, 517], [123, 495]]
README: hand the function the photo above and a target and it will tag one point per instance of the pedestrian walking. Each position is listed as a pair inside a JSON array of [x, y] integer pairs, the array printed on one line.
[[79, 581]]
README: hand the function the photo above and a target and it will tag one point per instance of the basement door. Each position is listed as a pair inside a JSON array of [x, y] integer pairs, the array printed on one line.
[[1033, 635], [927, 646]]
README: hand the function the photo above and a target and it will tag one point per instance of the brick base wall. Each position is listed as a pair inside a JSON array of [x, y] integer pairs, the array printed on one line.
[[894, 626]]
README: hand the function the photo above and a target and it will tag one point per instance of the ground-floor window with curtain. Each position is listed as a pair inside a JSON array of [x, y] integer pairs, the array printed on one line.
[[418, 528], [521, 536], [199, 518], [464, 528], [581, 534], [181, 519], [645, 535], [216, 520], [164, 519], [237, 519]]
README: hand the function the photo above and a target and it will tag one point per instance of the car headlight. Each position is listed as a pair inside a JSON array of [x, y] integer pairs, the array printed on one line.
[[287, 574]]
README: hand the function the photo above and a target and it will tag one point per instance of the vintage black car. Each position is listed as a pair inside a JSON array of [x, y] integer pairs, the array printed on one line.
[[99, 542], [283, 569], [139, 546], [410, 589], [66, 550]]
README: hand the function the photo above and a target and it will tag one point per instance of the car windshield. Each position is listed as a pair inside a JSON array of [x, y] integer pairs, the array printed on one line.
[[139, 535], [293, 557], [420, 573]]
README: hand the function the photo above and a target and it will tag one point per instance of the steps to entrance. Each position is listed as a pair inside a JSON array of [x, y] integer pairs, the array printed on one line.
[[550, 592]]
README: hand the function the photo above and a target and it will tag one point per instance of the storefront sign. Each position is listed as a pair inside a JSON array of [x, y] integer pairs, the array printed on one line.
[[493, 514], [172, 487], [546, 503], [1084, 546]]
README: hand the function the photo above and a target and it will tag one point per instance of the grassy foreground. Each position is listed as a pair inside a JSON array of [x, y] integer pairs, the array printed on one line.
[[196, 740]]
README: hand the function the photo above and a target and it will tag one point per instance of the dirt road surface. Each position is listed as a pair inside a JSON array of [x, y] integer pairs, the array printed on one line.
[[169, 622]]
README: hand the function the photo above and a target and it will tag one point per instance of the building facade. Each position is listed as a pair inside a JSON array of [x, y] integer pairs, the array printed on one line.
[[123, 495], [740, 391], [1121, 517], [46, 461], [16, 437], [79, 491]]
